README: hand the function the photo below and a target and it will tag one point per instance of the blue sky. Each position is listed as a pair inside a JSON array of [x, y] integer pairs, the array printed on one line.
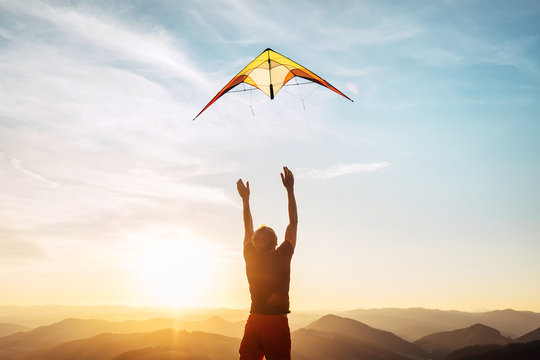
[[423, 192]]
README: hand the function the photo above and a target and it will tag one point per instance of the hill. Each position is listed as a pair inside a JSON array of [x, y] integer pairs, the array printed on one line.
[[17, 345], [39, 315], [317, 345], [510, 322], [524, 351], [440, 344], [367, 334], [531, 336], [8, 328], [195, 345], [414, 323]]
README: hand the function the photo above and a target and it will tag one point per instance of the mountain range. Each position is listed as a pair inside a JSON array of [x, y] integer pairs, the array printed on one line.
[[166, 343], [327, 337], [414, 323], [410, 324], [19, 344]]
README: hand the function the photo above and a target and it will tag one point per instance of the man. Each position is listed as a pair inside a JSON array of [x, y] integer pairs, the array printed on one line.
[[268, 271]]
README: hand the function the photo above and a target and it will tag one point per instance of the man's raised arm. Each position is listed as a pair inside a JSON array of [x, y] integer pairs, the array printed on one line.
[[243, 190], [288, 181]]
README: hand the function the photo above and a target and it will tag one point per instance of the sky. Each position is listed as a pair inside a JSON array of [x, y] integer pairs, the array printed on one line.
[[423, 192]]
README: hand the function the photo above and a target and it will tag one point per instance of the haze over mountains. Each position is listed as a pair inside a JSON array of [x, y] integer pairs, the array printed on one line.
[[413, 323], [315, 336], [7, 328], [162, 343]]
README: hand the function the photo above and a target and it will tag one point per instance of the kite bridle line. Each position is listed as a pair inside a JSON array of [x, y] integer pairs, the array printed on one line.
[[254, 88], [299, 96]]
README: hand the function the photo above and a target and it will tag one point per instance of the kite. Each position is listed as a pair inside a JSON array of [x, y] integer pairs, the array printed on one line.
[[269, 72]]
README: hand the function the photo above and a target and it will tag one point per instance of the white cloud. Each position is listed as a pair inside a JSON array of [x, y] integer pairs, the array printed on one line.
[[110, 141], [341, 170], [352, 88], [17, 164], [152, 47]]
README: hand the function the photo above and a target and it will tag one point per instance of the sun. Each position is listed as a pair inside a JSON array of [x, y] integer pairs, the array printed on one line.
[[174, 272]]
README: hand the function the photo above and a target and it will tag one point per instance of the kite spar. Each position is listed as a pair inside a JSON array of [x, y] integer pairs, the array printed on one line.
[[269, 72]]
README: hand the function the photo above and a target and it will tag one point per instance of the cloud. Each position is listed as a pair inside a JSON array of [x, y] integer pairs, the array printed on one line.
[[352, 87], [151, 47], [86, 110], [17, 164], [339, 170], [14, 248]]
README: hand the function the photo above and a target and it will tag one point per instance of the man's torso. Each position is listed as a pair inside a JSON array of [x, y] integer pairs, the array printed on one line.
[[269, 276]]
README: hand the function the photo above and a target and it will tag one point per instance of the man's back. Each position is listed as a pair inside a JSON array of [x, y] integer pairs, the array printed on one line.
[[269, 277]]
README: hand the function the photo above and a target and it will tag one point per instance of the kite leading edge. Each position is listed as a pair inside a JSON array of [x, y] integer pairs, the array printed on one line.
[[269, 72]]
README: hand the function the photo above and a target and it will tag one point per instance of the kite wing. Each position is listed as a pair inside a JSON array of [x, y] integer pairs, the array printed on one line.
[[268, 72]]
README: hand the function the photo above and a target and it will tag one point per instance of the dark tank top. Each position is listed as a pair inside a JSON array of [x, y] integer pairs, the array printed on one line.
[[269, 276]]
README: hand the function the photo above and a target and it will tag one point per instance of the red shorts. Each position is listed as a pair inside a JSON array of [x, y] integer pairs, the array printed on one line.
[[266, 335]]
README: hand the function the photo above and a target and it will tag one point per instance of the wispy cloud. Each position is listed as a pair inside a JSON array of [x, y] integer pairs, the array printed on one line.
[[339, 170], [152, 47], [352, 87], [86, 110], [13, 248], [17, 164]]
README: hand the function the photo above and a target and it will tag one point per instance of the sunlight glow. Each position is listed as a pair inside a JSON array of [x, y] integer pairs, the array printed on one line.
[[174, 271]]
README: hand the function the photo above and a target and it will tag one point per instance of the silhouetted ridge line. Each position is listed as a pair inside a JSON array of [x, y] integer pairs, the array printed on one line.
[[18, 345], [440, 344], [531, 336], [108, 346], [522, 351], [365, 333]]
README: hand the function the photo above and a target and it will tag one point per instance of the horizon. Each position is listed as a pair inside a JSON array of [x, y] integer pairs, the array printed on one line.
[[314, 310], [422, 192]]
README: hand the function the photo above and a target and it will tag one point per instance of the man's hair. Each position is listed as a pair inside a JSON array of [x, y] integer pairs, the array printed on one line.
[[264, 239]]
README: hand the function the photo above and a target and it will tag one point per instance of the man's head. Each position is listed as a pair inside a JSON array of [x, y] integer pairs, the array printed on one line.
[[264, 239]]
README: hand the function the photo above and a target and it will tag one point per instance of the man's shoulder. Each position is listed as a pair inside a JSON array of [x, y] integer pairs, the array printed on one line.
[[285, 249]]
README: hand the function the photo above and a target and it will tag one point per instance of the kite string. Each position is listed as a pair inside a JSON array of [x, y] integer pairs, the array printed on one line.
[[312, 91], [300, 94], [250, 101]]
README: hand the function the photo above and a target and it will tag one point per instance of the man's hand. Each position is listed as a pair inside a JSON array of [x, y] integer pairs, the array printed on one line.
[[287, 178], [243, 190]]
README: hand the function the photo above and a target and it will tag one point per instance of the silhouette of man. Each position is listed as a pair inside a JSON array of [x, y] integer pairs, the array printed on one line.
[[268, 271]]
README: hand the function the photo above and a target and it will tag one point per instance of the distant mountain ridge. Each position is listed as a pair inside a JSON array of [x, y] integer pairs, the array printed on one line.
[[408, 323], [8, 328], [367, 334], [440, 344], [414, 323], [195, 345], [516, 351], [17, 345], [315, 344], [325, 337], [531, 336], [39, 315]]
